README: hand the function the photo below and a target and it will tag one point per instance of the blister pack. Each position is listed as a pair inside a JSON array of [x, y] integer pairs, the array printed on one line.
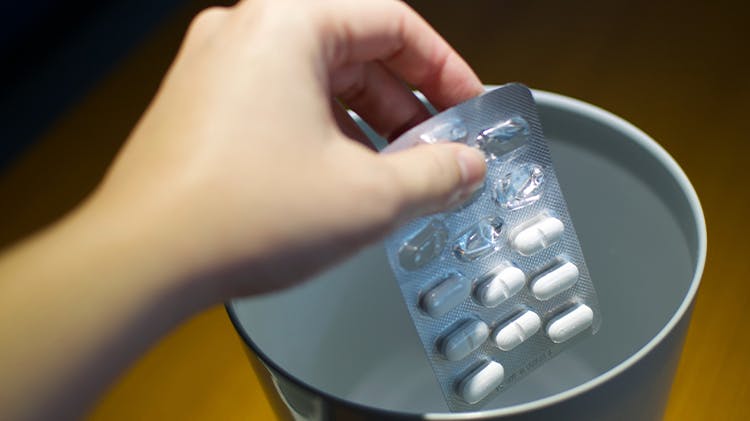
[[499, 285]]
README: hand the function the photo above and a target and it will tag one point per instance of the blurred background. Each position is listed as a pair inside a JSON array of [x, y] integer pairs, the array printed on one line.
[[77, 75]]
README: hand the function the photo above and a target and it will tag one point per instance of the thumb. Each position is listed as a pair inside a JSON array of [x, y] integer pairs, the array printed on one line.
[[432, 178]]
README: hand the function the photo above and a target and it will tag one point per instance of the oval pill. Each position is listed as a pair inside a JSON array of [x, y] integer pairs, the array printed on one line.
[[570, 323], [464, 340], [517, 330], [538, 236], [500, 287], [449, 293], [554, 281], [481, 382]]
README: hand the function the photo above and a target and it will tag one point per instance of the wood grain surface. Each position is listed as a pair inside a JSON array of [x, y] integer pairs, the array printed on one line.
[[679, 71]]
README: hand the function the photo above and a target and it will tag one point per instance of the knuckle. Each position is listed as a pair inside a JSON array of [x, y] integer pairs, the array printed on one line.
[[205, 22], [355, 90], [401, 8]]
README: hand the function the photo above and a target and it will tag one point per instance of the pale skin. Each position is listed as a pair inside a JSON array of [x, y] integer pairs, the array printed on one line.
[[244, 175]]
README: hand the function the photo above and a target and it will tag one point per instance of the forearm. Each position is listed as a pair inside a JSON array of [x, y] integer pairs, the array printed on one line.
[[78, 302]]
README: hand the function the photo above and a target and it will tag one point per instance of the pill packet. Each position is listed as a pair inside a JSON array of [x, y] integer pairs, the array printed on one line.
[[497, 286]]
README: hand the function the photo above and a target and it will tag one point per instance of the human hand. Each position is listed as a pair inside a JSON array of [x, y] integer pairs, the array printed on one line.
[[247, 171], [243, 176]]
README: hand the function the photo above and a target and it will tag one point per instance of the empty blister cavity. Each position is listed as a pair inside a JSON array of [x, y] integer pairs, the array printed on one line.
[[497, 287], [448, 293], [517, 330], [505, 137], [570, 323], [424, 246], [480, 382], [536, 235], [473, 198], [453, 130], [462, 341], [554, 281], [520, 187], [480, 240]]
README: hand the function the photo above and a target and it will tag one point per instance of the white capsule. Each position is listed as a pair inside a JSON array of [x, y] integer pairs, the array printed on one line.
[[570, 323], [449, 293], [481, 382], [500, 287], [554, 281], [516, 331], [464, 340], [537, 236]]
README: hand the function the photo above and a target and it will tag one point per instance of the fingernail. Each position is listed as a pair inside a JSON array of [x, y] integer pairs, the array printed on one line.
[[472, 166]]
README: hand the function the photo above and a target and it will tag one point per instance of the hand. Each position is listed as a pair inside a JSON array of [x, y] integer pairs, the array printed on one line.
[[244, 175], [246, 170]]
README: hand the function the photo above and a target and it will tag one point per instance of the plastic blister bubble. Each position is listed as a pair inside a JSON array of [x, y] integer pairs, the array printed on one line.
[[480, 240], [423, 247], [503, 137], [520, 187], [498, 285]]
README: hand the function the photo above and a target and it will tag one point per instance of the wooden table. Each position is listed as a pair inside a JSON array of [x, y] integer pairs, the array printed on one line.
[[678, 72]]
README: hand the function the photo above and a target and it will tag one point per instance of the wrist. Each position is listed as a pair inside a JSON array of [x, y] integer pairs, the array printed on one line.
[[90, 288], [130, 249]]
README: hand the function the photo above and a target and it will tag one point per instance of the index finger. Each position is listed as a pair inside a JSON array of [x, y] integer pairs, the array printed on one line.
[[391, 32]]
